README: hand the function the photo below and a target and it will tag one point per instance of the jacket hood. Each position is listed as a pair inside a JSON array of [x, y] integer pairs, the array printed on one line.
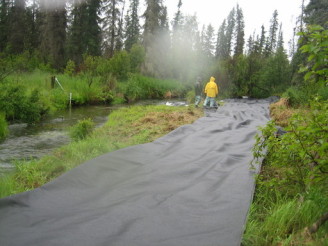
[[212, 79]]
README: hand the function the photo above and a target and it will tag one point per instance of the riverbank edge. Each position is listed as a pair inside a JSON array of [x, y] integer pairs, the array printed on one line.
[[125, 127]]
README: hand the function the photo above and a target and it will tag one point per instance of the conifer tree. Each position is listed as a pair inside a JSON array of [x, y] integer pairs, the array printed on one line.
[[231, 20], [272, 38], [209, 41], [240, 32], [17, 26], [4, 23], [262, 40], [177, 20], [152, 17], [132, 29], [316, 13], [119, 37], [53, 34], [280, 41], [221, 48], [111, 25], [84, 33], [151, 34], [33, 29]]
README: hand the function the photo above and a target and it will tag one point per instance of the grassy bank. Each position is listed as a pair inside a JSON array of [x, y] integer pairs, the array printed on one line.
[[291, 197], [27, 97], [125, 127]]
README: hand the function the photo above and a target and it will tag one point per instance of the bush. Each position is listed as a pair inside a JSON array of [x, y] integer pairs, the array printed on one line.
[[19, 106], [296, 96], [323, 93], [302, 152], [82, 129]]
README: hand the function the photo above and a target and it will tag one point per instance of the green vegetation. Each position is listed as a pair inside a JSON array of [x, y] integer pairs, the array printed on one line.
[[81, 130], [100, 61], [125, 127], [291, 192], [3, 127], [27, 97], [291, 200]]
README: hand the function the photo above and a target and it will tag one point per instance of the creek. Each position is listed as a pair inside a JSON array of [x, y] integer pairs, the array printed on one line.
[[26, 142]]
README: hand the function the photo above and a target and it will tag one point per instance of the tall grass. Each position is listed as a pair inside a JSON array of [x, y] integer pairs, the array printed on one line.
[[3, 126], [81, 89], [283, 221], [141, 87]]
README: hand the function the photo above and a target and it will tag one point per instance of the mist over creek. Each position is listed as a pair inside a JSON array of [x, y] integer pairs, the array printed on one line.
[[33, 142]]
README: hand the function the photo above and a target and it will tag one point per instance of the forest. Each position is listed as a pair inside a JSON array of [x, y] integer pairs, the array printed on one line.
[[108, 52], [101, 55]]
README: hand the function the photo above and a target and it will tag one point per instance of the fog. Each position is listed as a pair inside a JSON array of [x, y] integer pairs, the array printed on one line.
[[51, 4]]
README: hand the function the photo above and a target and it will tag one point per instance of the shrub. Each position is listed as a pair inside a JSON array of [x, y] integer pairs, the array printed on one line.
[[190, 97], [82, 129], [70, 68], [296, 96], [323, 93], [302, 152], [19, 106]]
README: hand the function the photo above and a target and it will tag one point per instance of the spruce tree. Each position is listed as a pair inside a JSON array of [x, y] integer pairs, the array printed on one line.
[[84, 33], [4, 23], [209, 41], [152, 17], [151, 34], [93, 34], [177, 20], [32, 28], [111, 25], [17, 26], [316, 13], [231, 20], [272, 38], [221, 47], [119, 42], [240, 32], [132, 29], [53, 34], [262, 40]]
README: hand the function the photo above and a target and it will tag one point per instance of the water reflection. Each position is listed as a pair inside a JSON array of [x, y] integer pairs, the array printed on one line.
[[28, 142]]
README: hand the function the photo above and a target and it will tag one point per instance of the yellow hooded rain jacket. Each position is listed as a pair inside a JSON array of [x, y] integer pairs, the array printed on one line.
[[211, 88]]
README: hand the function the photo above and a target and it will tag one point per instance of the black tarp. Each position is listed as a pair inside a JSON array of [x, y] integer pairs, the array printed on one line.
[[192, 187]]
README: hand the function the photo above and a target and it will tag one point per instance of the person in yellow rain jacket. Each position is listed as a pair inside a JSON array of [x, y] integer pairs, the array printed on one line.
[[211, 91]]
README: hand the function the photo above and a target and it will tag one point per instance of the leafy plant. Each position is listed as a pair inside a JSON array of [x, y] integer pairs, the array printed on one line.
[[82, 129], [302, 152], [70, 68], [317, 49]]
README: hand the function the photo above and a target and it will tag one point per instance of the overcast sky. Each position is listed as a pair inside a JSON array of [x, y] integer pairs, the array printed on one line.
[[256, 13]]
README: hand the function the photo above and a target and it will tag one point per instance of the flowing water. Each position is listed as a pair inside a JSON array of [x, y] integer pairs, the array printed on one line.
[[32, 142], [28, 142]]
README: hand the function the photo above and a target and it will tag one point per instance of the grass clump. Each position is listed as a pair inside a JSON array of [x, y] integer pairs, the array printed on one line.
[[82, 129], [125, 127], [3, 126]]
